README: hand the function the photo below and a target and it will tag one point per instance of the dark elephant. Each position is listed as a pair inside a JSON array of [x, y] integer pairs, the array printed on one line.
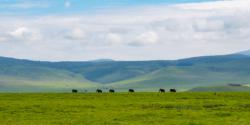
[[111, 90], [172, 90], [131, 90], [98, 91], [162, 90], [74, 91]]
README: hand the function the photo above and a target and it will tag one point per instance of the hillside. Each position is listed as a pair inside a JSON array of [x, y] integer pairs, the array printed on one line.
[[24, 75], [221, 89], [247, 52], [184, 74], [190, 73]]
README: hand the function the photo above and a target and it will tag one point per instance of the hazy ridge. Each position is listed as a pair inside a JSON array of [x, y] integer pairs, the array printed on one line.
[[184, 74]]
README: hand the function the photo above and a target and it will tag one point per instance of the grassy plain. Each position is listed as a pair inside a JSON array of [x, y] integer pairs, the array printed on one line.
[[186, 108]]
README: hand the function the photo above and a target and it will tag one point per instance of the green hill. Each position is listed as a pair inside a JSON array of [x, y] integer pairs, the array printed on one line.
[[29, 76], [197, 72], [184, 74], [221, 89]]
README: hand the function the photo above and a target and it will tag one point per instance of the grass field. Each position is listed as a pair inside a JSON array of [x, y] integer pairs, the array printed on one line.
[[125, 109]]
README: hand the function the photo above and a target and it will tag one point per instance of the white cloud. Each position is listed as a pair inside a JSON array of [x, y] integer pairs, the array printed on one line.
[[217, 5], [176, 30], [20, 32], [146, 38], [2, 39], [114, 38], [24, 33], [208, 25], [76, 34]]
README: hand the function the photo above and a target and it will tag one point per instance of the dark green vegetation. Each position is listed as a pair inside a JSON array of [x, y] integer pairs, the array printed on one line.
[[200, 72], [125, 109]]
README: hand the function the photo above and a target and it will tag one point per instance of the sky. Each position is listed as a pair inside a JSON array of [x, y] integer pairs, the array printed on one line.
[[80, 30]]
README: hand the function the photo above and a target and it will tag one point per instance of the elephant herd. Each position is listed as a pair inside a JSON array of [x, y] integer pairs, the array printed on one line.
[[130, 90]]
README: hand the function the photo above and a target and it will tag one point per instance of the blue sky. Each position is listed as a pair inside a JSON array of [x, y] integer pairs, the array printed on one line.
[[80, 30], [29, 7]]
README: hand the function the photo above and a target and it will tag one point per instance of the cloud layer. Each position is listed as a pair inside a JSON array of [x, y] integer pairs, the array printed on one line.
[[138, 33]]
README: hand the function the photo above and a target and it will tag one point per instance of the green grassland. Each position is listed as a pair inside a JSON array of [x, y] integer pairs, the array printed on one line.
[[187, 108]]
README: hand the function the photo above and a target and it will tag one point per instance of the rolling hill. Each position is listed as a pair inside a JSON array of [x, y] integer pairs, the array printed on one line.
[[246, 52], [185, 74]]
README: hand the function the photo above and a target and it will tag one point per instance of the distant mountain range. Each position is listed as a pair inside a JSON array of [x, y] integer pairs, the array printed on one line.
[[207, 73], [247, 52]]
